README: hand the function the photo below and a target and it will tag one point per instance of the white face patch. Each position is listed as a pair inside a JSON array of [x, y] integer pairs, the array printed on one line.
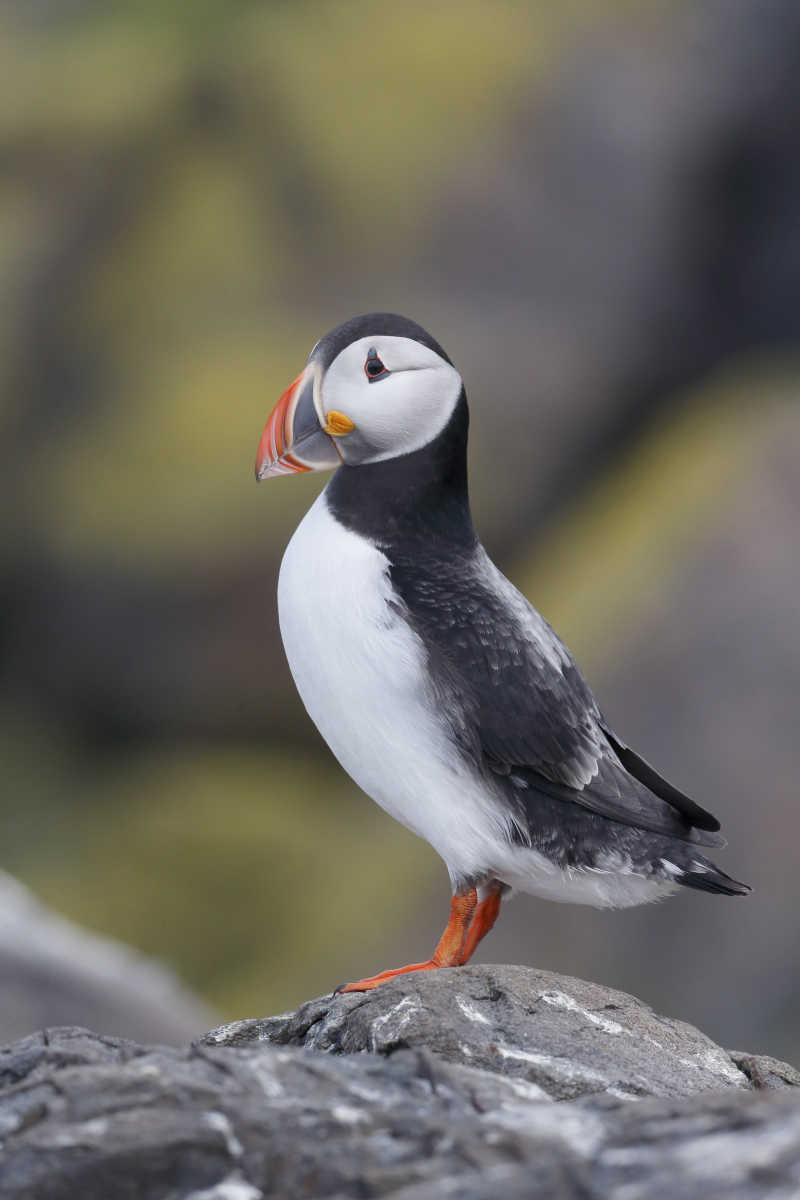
[[399, 412]]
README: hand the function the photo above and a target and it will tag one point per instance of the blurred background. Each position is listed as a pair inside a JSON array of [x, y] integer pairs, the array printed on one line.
[[595, 207]]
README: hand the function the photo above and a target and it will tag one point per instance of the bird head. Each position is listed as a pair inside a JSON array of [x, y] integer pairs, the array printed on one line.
[[375, 388]]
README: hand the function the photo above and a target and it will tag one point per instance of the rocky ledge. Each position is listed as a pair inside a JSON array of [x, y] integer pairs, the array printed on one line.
[[470, 1083]]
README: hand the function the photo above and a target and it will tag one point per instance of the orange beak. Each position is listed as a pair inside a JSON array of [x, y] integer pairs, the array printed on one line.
[[293, 439]]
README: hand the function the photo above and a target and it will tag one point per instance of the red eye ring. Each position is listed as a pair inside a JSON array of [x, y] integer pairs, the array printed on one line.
[[374, 368]]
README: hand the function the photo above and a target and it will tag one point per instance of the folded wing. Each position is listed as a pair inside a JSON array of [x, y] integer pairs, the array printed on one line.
[[525, 710]]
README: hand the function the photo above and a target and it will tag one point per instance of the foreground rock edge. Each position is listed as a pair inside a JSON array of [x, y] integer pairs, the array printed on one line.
[[243, 1113]]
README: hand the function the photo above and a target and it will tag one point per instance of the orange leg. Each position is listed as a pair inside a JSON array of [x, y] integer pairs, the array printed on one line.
[[483, 920], [449, 952]]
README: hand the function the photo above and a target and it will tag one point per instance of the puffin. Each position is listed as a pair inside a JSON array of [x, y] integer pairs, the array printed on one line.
[[438, 687]]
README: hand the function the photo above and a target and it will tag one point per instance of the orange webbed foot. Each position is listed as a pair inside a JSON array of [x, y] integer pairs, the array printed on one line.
[[367, 985], [452, 950]]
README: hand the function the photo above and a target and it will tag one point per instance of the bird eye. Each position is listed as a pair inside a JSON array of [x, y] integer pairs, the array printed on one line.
[[373, 367]]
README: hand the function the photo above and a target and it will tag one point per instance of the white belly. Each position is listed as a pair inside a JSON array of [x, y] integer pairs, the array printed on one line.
[[361, 673]]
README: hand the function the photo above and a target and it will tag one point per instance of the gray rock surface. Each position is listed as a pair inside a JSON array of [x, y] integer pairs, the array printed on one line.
[[565, 1039], [372, 1096]]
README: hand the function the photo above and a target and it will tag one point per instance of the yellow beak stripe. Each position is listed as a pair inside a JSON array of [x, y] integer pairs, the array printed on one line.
[[338, 424]]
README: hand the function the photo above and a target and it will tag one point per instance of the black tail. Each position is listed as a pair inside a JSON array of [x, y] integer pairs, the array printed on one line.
[[705, 877]]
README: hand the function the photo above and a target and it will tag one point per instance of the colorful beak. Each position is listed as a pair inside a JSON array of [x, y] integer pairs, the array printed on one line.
[[293, 439]]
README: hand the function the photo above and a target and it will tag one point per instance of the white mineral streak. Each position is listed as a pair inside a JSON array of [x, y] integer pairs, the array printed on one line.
[[559, 1068], [523, 1089], [219, 1122], [362, 1092], [346, 1115], [620, 1093], [9, 1123], [232, 1187], [718, 1063], [578, 1129], [710, 1059], [471, 1012], [569, 1004], [724, 1158], [392, 1022], [81, 1133], [271, 1086]]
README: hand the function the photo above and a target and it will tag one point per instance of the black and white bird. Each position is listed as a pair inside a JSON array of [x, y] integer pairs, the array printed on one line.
[[438, 687]]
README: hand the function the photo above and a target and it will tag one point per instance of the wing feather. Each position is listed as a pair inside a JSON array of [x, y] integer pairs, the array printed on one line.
[[524, 708]]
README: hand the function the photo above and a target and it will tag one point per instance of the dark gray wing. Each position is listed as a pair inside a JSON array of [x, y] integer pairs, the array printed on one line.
[[520, 703]]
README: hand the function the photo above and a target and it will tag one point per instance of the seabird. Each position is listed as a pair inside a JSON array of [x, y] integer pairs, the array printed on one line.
[[438, 687]]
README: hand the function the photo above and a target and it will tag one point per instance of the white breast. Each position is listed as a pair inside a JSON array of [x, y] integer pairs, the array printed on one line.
[[361, 673]]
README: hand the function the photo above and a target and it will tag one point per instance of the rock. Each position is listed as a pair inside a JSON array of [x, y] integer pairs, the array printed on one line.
[[405, 1094], [55, 973], [766, 1073], [565, 1038]]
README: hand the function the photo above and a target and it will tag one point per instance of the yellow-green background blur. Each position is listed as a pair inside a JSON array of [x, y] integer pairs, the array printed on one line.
[[592, 206]]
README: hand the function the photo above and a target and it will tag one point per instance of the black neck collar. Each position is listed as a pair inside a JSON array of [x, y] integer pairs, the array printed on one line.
[[417, 499]]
